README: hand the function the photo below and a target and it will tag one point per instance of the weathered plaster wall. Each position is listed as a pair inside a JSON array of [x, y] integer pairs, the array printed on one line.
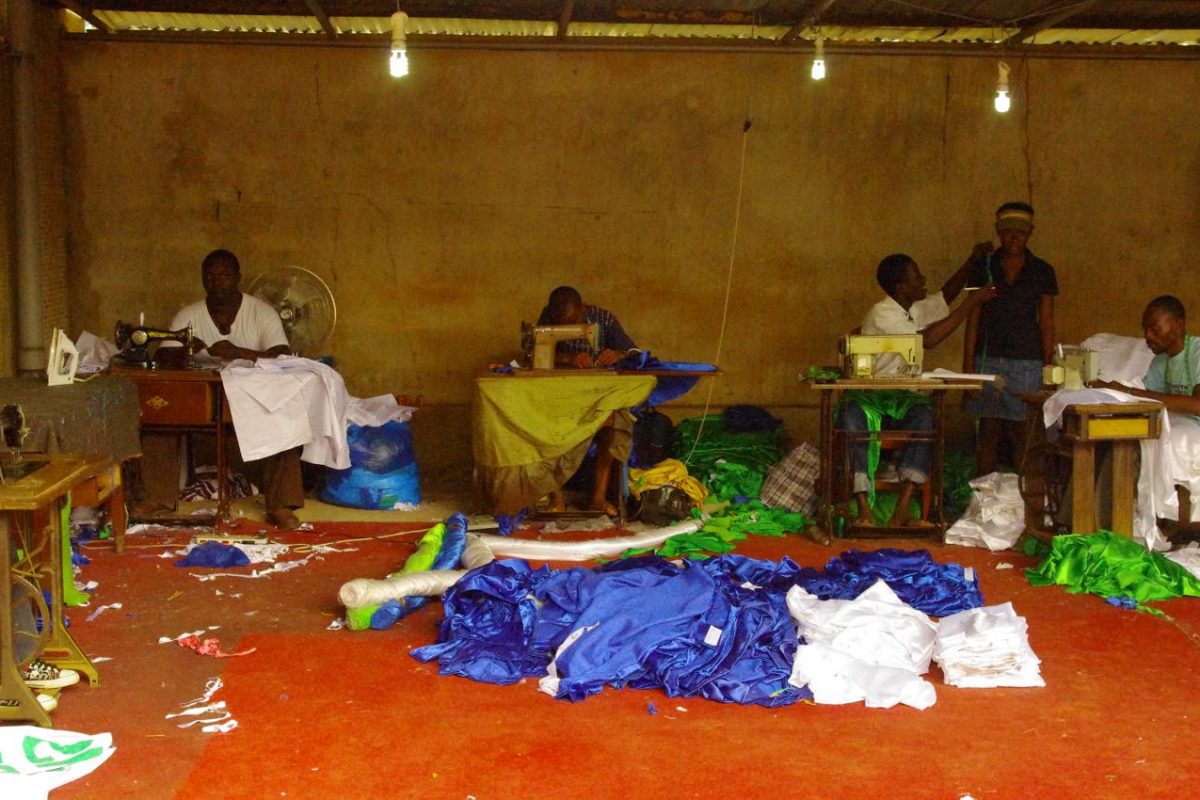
[[443, 207]]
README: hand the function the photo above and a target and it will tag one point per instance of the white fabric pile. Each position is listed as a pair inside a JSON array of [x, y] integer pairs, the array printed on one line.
[[285, 402], [995, 516], [986, 647], [873, 648]]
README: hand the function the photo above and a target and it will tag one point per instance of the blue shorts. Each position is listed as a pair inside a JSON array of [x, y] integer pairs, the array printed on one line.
[[1021, 376]]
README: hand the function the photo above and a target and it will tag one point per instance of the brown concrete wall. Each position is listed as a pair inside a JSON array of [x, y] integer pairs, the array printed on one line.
[[442, 208]]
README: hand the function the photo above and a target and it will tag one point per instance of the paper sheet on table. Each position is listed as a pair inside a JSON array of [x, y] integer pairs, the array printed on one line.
[[944, 374]]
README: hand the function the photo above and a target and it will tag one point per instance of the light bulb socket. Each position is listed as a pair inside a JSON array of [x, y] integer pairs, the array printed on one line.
[[399, 24]]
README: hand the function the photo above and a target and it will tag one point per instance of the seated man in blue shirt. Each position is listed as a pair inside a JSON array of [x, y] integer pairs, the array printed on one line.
[[566, 307], [908, 308], [1174, 374]]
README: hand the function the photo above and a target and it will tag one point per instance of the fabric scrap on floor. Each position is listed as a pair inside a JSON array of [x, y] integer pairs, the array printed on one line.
[[214, 554], [210, 647]]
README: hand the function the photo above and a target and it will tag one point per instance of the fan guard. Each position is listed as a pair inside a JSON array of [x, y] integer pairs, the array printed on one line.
[[304, 304]]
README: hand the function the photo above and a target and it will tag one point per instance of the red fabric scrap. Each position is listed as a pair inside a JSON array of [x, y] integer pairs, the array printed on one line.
[[210, 647]]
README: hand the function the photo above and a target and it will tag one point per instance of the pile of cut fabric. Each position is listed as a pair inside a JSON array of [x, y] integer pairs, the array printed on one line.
[[731, 628]]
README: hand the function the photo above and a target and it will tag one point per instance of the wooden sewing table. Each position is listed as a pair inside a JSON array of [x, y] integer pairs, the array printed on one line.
[[185, 401], [44, 490], [1084, 426], [829, 499]]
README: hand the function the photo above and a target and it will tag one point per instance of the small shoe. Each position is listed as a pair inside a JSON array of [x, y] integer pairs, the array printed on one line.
[[37, 674], [284, 519], [48, 702]]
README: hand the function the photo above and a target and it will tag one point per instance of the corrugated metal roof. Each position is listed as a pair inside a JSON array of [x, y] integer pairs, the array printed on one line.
[[963, 23]]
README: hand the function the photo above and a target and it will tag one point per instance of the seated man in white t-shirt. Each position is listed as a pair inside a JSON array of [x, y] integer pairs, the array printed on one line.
[[229, 325], [908, 308]]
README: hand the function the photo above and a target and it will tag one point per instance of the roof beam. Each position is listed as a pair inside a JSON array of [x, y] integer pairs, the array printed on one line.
[[1048, 21], [85, 13], [314, 7], [810, 16], [564, 18]]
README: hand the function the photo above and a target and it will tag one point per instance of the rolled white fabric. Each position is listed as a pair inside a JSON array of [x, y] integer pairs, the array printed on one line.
[[481, 549], [504, 547]]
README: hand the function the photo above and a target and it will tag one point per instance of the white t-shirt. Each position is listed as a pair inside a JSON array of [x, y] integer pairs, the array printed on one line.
[[256, 327], [889, 317]]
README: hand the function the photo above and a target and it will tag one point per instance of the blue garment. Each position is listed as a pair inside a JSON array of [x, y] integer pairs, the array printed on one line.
[[1021, 376], [691, 630], [214, 554]]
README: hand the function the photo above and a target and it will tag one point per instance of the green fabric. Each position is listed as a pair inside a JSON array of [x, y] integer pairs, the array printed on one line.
[[957, 471], [729, 464], [725, 528], [1110, 565], [359, 619], [427, 550], [877, 404], [816, 374]]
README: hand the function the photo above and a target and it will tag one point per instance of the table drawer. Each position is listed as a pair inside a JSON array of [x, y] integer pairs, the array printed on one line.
[[176, 402]]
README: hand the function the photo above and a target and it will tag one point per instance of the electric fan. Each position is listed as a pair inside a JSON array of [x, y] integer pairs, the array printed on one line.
[[304, 303]]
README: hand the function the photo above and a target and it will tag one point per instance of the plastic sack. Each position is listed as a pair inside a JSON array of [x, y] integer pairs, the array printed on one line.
[[995, 517], [36, 760], [382, 474]]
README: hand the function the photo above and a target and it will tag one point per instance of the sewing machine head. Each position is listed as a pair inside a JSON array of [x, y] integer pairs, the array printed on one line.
[[1072, 367], [894, 355], [538, 342], [135, 341]]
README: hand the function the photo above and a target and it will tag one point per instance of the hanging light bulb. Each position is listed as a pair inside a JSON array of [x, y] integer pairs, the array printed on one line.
[[1003, 101], [818, 65], [398, 62]]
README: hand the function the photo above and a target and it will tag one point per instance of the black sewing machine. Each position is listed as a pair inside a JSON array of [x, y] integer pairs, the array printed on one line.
[[135, 342]]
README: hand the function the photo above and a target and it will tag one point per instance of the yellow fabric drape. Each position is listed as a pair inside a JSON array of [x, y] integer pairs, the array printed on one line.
[[529, 434]]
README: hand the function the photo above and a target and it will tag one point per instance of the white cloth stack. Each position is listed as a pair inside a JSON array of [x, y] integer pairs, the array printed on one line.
[[986, 647]]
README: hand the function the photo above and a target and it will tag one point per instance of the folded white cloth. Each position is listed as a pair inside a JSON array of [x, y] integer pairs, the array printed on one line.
[[986, 647], [1123, 359], [995, 516]]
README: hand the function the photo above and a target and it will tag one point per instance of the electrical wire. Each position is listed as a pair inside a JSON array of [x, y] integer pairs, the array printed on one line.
[[737, 222]]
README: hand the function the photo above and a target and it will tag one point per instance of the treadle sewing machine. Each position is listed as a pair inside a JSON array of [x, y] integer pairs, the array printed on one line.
[[135, 341], [538, 342], [862, 356]]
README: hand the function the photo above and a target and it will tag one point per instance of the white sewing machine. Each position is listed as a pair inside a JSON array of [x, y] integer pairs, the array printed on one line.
[[1072, 367], [862, 355], [538, 342]]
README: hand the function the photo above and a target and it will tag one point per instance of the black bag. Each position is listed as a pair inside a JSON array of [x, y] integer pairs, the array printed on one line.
[[663, 506]]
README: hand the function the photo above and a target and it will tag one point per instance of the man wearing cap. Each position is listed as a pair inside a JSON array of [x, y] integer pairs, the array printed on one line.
[[1012, 336]]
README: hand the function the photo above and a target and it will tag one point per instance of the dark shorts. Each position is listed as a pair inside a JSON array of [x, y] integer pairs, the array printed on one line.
[[1021, 376]]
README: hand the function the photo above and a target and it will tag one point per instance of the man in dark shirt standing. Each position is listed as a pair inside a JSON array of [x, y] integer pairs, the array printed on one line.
[[566, 307], [1012, 336]]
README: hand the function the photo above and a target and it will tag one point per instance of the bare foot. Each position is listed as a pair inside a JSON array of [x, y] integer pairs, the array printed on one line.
[[558, 503], [284, 519], [864, 522], [608, 508], [915, 523]]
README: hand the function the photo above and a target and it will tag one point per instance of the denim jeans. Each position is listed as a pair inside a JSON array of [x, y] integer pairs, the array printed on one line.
[[915, 456]]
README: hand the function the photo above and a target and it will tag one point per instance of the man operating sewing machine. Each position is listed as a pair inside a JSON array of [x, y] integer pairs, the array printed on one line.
[[1173, 379], [907, 309], [566, 307], [229, 325]]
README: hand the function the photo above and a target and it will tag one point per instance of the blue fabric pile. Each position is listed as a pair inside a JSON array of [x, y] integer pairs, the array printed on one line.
[[694, 630]]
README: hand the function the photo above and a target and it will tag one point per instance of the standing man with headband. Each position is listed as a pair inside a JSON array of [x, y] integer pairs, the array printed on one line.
[[1012, 336]]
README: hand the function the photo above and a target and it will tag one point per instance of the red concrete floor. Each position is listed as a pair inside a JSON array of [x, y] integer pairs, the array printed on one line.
[[327, 714]]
